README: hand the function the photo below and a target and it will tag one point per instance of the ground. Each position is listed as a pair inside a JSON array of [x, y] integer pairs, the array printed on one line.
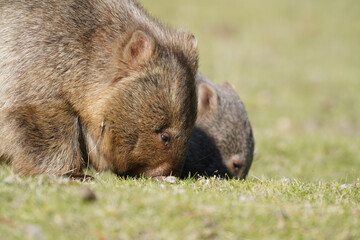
[[296, 67]]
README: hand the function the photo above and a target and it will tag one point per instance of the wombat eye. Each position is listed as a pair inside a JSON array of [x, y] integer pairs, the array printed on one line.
[[165, 138]]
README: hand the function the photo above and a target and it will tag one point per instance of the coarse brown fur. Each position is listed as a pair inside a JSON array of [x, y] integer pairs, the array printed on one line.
[[222, 142], [96, 82]]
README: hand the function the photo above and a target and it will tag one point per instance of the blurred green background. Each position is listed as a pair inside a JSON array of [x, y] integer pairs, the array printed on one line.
[[296, 65]]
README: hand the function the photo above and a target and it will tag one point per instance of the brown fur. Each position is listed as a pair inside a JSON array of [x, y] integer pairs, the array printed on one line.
[[222, 142], [94, 81]]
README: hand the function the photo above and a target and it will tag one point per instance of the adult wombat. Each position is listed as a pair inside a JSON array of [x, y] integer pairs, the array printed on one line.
[[94, 82], [222, 142]]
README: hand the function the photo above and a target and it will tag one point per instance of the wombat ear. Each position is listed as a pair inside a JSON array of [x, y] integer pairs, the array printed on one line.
[[193, 51], [208, 99], [229, 85], [139, 49], [193, 41], [188, 43]]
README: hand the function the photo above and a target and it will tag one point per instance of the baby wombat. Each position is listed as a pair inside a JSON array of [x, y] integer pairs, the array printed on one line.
[[94, 82], [222, 142]]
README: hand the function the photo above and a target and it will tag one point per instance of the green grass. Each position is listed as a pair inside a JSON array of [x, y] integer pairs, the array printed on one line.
[[190, 209], [296, 66]]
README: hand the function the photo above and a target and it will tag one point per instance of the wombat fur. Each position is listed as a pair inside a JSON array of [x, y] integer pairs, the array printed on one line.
[[94, 82], [222, 142]]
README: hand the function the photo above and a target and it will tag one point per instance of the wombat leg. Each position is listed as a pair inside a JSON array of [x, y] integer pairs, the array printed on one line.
[[44, 139]]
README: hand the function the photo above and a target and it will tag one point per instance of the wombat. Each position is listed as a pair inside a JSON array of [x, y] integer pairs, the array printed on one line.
[[222, 142], [94, 82]]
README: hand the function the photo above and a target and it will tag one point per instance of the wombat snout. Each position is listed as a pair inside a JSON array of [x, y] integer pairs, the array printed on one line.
[[236, 165], [163, 169]]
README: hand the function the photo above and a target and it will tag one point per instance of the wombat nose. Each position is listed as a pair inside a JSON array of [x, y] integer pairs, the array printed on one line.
[[235, 165], [163, 169]]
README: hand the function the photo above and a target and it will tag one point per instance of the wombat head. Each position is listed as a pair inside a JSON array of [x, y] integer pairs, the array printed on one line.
[[222, 123], [143, 119]]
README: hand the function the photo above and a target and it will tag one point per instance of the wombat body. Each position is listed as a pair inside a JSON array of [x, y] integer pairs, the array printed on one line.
[[222, 142], [94, 82]]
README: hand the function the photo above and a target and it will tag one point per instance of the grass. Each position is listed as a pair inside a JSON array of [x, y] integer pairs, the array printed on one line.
[[296, 67], [43, 207]]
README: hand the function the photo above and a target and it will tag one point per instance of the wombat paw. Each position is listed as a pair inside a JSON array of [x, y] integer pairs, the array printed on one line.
[[81, 177]]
